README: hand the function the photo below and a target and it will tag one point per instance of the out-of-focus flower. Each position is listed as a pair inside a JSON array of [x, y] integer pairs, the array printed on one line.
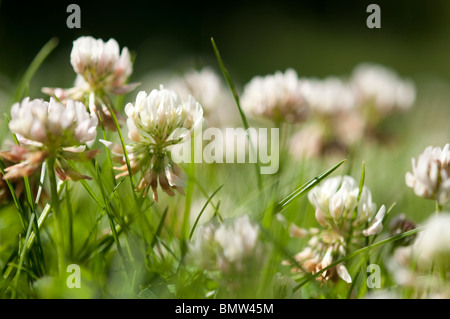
[[433, 244], [399, 225], [309, 142], [338, 208], [205, 85], [229, 247], [4, 190], [382, 89], [423, 265], [430, 177], [277, 97], [328, 97], [49, 130], [209, 90], [156, 122]]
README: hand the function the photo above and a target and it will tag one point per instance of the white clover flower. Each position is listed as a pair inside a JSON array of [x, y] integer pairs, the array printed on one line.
[[333, 104], [229, 247], [345, 220], [433, 243], [162, 115], [337, 206], [49, 129], [421, 265], [205, 85], [381, 87], [210, 91], [157, 121], [100, 71], [430, 177], [323, 248], [100, 64], [309, 142], [277, 97], [329, 96]]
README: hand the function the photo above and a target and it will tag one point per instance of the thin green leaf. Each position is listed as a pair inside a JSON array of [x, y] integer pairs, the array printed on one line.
[[238, 104], [160, 226], [34, 66], [357, 252], [203, 209]]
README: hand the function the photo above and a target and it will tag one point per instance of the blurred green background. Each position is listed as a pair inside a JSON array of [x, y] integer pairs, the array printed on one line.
[[316, 37]]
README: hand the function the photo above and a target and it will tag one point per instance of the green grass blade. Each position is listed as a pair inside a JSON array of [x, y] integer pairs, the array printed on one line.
[[34, 66], [91, 192], [305, 188], [160, 227], [238, 104]]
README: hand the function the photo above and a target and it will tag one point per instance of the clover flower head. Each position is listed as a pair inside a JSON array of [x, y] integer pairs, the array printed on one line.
[[383, 88], [101, 65], [229, 247], [49, 129], [161, 116], [277, 97], [430, 177], [344, 220], [204, 84], [100, 68], [337, 207], [156, 122], [309, 142]]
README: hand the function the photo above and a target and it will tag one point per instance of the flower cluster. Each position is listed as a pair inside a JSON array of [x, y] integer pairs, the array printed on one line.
[[430, 177], [343, 111], [49, 130], [345, 220], [228, 247], [278, 97], [156, 122]]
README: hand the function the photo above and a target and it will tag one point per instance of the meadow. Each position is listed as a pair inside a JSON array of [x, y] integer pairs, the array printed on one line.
[[94, 204]]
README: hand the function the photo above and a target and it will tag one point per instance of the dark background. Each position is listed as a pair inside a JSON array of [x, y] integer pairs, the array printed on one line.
[[316, 37]]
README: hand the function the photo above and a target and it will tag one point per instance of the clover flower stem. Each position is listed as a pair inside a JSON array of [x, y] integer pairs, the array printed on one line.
[[187, 206], [108, 155], [125, 153], [56, 213]]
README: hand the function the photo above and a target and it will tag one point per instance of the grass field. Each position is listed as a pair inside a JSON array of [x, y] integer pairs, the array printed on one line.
[[228, 231]]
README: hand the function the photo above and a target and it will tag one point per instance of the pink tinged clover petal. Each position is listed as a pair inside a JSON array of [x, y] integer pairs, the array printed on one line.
[[343, 273], [376, 226]]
